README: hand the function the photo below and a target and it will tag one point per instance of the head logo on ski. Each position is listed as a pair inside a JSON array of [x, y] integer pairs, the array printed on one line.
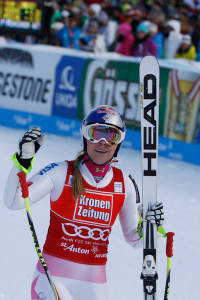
[[150, 130]]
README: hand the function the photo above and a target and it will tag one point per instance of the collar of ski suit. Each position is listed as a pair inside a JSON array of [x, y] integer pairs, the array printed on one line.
[[98, 172]]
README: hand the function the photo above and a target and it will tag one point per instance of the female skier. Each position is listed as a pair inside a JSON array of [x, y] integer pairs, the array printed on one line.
[[86, 195]]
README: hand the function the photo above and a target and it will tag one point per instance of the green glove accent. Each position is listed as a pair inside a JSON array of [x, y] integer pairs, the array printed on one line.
[[19, 166], [140, 227], [162, 231]]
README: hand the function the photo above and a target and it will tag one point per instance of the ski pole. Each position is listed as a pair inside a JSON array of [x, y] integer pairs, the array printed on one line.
[[24, 189], [169, 253]]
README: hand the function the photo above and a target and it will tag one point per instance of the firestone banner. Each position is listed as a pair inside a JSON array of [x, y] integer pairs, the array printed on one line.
[[26, 80]]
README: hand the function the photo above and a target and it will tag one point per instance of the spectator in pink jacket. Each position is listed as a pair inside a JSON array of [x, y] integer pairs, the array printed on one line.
[[124, 40], [144, 45]]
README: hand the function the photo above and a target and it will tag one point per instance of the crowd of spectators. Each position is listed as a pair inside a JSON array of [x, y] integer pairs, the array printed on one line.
[[165, 29]]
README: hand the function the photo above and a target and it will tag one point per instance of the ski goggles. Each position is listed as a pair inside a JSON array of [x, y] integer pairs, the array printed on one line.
[[98, 132]]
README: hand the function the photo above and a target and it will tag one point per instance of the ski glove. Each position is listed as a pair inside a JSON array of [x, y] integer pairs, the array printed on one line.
[[29, 144], [156, 214]]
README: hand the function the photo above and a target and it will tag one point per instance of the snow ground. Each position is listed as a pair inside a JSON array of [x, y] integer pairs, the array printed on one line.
[[178, 188]]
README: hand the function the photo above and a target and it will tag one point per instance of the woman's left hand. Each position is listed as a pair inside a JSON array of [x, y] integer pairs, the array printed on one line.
[[156, 214]]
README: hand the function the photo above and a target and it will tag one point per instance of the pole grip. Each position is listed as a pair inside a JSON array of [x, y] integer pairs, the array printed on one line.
[[23, 184], [169, 245]]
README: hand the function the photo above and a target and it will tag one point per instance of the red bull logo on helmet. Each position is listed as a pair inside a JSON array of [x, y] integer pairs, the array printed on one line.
[[108, 111]]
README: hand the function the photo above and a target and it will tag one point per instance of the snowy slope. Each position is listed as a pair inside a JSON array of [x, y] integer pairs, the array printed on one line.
[[179, 189]]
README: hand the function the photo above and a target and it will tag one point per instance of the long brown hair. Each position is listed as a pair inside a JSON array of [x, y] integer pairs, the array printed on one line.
[[77, 185]]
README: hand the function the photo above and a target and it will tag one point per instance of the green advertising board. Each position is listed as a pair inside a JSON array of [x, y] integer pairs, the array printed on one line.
[[116, 83]]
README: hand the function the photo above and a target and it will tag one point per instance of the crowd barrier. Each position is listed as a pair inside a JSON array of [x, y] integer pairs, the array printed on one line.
[[54, 88]]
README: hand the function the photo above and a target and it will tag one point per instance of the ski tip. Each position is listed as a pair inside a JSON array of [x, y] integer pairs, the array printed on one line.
[[149, 59], [149, 64]]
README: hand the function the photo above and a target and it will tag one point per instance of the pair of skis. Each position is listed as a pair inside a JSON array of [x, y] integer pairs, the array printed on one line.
[[149, 88]]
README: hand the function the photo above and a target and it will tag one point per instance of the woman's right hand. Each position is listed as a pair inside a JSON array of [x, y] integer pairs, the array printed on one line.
[[30, 143]]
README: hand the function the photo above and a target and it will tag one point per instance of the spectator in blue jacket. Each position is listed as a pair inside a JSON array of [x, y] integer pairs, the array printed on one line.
[[70, 34], [157, 37]]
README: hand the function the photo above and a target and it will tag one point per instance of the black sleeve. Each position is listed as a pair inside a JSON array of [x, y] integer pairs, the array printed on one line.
[[136, 188]]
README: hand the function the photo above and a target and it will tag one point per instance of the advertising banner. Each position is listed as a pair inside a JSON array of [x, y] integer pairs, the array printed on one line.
[[116, 83], [68, 76], [26, 79], [183, 105], [113, 83], [164, 85], [50, 124], [197, 130]]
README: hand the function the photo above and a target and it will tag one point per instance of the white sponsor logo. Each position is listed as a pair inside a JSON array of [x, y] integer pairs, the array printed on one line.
[[95, 249], [22, 120], [118, 187], [91, 212], [94, 202], [64, 126], [72, 248], [67, 79], [85, 232], [66, 100], [101, 255]]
